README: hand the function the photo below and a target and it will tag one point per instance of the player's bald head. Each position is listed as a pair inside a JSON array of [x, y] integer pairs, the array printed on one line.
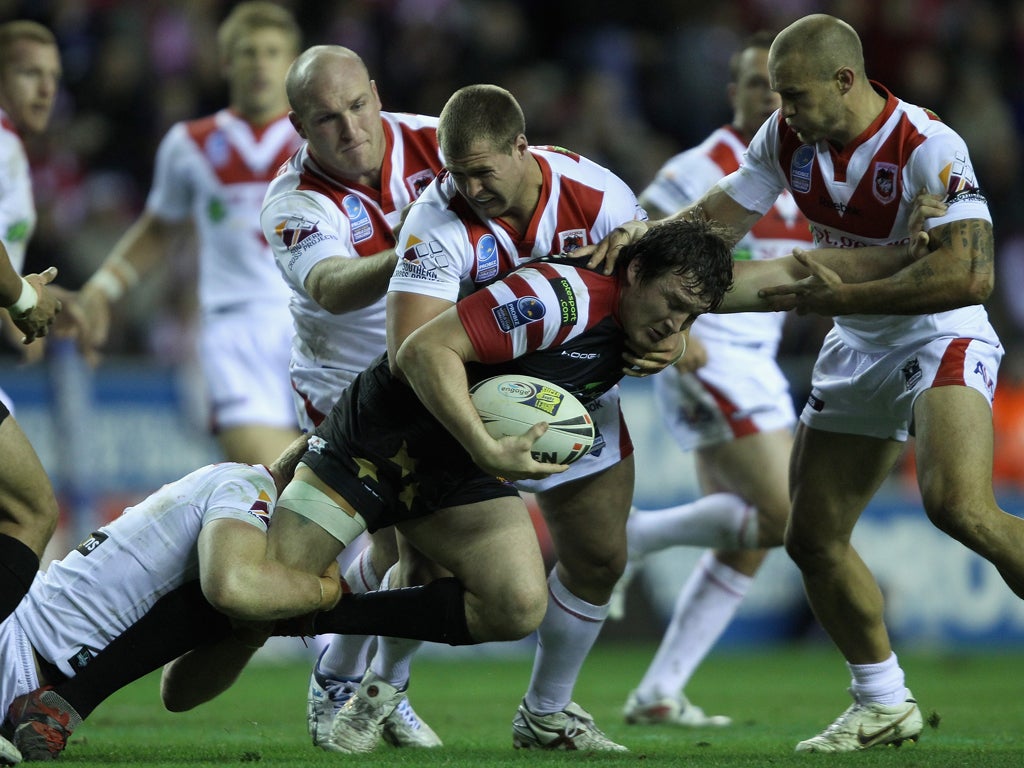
[[821, 43], [314, 65]]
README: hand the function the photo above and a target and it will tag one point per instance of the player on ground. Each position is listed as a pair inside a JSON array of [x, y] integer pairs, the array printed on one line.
[[329, 217], [909, 353], [211, 175], [728, 401]]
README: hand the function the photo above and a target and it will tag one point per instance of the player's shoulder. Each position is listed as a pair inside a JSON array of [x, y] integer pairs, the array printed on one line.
[[410, 120]]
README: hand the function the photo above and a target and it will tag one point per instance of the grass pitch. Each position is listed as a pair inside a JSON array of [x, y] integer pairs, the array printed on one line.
[[776, 698]]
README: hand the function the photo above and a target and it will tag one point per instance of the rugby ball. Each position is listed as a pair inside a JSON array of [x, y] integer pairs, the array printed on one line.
[[511, 404]]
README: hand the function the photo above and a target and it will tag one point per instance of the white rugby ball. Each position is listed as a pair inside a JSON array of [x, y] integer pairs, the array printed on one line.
[[511, 404]]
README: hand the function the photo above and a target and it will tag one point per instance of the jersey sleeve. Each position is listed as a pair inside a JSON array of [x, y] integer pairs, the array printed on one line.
[[303, 229], [942, 165], [758, 182], [618, 205], [679, 182], [247, 495], [434, 254], [170, 196]]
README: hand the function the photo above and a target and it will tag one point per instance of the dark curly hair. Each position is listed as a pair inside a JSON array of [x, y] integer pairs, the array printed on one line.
[[698, 251]]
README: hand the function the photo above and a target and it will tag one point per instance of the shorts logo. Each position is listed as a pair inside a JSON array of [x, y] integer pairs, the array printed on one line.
[[815, 403], [982, 371], [486, 259], [80, 660], [884, 187], [800, 168], [418, 182], [359, 219], [316, 444], [912, 374], [572, 239], [512, 314]]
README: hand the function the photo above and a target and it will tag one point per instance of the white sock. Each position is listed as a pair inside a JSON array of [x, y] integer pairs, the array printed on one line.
[[346, 656], [883, 682], [703, 610], [719, 520], [564, 639], [393, 658]]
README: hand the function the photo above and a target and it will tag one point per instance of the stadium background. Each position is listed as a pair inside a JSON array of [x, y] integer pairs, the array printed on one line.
[[590, 77]]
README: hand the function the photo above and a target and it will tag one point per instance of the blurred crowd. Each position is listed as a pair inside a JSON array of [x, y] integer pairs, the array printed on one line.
[[627, 84]]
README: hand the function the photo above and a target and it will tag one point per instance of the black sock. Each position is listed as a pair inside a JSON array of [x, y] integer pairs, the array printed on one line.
[[18, 566], [435, 612], [178, 622]]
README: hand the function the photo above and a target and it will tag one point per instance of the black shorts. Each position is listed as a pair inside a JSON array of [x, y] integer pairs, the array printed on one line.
[[383, 451], [4, 413]]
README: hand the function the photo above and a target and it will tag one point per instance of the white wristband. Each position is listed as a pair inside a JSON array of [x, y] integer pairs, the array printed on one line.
[[108, 284], [26, 301]]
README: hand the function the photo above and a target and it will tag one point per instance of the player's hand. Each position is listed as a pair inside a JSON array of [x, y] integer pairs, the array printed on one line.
[[926, 206], [36, 322], [641, 363], [605, 253], [511, 458], [95, 310], [696, 356], [332, 585], [821, 292]]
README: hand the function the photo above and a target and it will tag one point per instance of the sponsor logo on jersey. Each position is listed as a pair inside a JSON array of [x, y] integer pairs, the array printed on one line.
[[316, 444], [800, 168], [912, 374], [486, 259], [580, 355], [296, 231], [572, 239], [430, 255], [91, 542], [216, 210], [17, 231], [884, 186], [528, 309], [217, 149], [958, 176], [260, 508], [566, 297], [841, 208], [359, 219], [418, 182]]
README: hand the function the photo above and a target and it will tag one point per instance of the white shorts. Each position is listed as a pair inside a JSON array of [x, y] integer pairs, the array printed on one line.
[[316, 390], [245, 357], [612, 446], [18, 672], [873, 393], [739, 392]]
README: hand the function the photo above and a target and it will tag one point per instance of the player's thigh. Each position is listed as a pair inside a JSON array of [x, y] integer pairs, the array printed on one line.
[[833, 476], [587, 517], [755, 467], [28, 507], [954, 437], [490, 546]]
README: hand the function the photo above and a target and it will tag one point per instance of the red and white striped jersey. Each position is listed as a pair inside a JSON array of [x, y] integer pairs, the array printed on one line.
[[17, 206], [684, 179], [215, 171], [556, 320], [863, 195], [309, 216], [447, 250]]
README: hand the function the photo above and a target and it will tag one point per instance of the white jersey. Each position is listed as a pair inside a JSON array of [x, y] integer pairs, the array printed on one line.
[[81, 603], [448, 251], [684, 179], [863, 195], [17, 207], [309, 216], [215, 171]]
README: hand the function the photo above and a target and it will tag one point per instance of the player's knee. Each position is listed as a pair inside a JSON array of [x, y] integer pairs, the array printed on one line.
[[808, 551], [955, 517], [518, 613]]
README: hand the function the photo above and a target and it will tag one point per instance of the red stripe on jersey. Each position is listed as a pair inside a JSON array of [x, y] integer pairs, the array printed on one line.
[[534, 330], [224, 158], [865, 213], [951, 367], [578, 209], [741, 427], [723, 155], [774, 226], [477, 317], [419, 152]]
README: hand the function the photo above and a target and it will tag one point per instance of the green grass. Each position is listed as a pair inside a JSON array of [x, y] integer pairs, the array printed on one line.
[[776, 698]]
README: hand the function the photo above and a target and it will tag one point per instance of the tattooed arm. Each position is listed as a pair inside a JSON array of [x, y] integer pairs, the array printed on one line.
[[955, 270]]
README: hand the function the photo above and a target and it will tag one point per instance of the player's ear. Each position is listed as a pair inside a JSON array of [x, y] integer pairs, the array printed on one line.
[[296, 122]]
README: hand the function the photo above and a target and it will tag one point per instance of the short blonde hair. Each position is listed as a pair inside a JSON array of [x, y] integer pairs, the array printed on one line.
[[23, 29], [257, 14]]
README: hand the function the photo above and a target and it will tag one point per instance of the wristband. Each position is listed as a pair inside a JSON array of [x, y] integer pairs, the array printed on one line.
[[107, 283], [320, 605], [26, 301], [680, 355]]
